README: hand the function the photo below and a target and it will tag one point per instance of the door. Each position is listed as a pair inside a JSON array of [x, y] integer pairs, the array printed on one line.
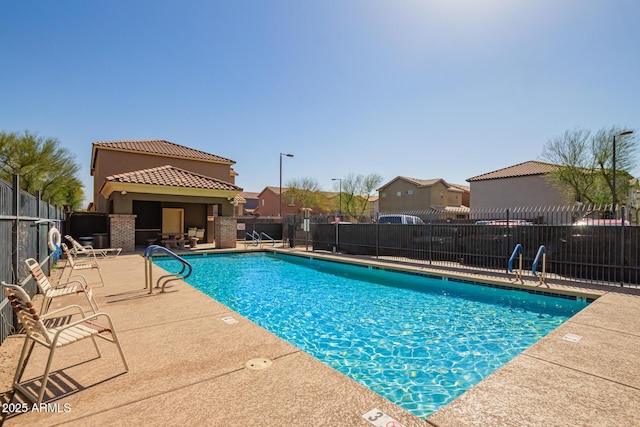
[[172, 220]]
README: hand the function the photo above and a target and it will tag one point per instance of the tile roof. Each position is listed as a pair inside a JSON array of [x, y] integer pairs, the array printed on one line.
[[425, 183], [529, 168], [160, 147], [249, 194], [461, 187], [421, 182], [275, 190], [172, 176]]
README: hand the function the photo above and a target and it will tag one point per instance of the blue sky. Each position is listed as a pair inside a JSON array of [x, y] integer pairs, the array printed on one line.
[[426, 89]]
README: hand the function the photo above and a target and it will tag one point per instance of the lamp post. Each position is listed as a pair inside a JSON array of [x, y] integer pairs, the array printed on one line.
[[288, 155], [613, 169], [340, 209]]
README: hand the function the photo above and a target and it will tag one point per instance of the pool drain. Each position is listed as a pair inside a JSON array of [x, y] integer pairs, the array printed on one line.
[[257, 364]]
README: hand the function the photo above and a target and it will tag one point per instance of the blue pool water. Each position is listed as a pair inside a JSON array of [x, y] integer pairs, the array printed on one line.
[[418, 341]]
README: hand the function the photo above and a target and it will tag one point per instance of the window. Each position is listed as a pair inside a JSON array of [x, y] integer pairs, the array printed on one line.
[[399, 193], [262, 202], [383, 194], [409, 192]]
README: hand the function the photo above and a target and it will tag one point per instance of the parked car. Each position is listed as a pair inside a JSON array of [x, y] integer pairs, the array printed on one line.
[[399, 219], [588, 221], [503, 223]]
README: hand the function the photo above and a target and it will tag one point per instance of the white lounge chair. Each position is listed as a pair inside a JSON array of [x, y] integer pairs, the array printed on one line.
[[54, 337], [62, 288], [77, 249], [73, 265]]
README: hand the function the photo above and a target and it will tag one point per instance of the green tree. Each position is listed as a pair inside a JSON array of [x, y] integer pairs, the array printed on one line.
[[356, 193], [306, 193], [42, 165], [584, 161]]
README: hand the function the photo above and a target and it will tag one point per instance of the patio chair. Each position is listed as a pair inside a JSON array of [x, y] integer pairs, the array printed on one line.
[[74, 265], [77, 249], [200, 234], [191, 235], [62, 288], [54, 337]]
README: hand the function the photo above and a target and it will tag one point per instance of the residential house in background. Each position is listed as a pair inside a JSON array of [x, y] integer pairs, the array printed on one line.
[[163, 188], [269, 203], [404, 194], [251, 201], [522, 185]]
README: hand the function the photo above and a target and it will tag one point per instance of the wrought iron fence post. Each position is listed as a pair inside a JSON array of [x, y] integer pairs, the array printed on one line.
[[38, 244], [622, 229], [506, 249], [15, 207], [430, 238], [377, 237]]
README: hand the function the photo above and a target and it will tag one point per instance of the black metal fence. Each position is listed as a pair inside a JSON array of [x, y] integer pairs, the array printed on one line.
[[271, 226], [583, 243], [24, 223]]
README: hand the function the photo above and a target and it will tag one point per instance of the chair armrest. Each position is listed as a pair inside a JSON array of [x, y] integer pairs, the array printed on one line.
[[75, 278], [60, 310], [83, 283], [84, 319]]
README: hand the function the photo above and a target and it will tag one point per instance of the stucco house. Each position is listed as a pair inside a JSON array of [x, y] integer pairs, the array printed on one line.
[[155, 187], [404, 194], [269, 203], [249, 204], [521, 185]]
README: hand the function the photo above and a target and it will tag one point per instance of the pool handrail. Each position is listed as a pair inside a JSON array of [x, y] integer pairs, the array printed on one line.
[[273, 241], [148, 256], [253, 237], [542, 252], [516, 251]]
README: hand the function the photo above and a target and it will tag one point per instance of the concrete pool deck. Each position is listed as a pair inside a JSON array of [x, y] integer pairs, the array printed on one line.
[[187, 367]]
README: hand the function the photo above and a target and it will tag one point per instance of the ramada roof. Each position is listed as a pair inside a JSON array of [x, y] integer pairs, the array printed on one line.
[[529, 168], [157, 147], [171, 176]]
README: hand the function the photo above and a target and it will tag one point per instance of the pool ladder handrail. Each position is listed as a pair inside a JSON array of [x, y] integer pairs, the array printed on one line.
[[273, 241], [253, 236], [257, 238], [516, 251], [542, 252], [148, 277]]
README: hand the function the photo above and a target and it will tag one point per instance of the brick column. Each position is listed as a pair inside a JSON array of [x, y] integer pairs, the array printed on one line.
[[122, 230], [226, 233]]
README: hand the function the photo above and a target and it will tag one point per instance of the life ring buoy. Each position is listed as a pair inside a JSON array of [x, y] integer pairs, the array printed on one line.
[[54, 239]]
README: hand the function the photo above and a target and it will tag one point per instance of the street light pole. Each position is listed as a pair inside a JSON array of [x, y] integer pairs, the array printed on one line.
[[340, 209], [288, 155], [613, 169]]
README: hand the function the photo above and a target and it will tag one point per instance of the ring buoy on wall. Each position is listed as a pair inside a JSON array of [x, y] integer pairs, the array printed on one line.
[[54, 239]]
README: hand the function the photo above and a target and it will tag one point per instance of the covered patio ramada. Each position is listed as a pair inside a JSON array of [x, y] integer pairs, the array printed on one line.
[[146, 204]]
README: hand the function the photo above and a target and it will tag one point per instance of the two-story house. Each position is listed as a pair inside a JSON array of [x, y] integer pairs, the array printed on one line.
[[404, 194], [522, 185], [166, 187]]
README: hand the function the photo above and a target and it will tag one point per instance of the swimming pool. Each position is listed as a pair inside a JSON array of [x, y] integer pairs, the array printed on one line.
[[418, 341]]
